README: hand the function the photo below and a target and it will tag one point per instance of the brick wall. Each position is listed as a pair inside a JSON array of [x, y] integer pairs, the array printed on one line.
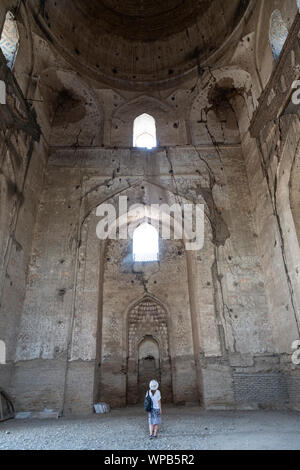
[[293, 385], [266, 389]]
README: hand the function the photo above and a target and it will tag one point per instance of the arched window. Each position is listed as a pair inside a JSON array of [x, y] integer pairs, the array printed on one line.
[[144, 132], [278, 33], [145, 243], [9, 42]]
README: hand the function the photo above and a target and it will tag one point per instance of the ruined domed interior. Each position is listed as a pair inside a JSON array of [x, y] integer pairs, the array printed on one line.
[[175, 102]]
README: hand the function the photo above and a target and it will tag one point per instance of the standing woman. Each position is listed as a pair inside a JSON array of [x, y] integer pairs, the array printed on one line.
[[155, 414]]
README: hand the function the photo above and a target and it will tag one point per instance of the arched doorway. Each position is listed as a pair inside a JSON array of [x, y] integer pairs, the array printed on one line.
[[148, 350], [149, 364]]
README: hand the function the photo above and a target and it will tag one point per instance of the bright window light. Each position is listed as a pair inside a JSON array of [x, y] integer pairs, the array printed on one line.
[[278, 33], [9, 42], [145, 243], [144, 132], [145, 141]]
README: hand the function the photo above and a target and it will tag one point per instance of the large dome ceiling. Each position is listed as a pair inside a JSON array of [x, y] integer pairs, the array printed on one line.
[[142, 20], [136, 43]]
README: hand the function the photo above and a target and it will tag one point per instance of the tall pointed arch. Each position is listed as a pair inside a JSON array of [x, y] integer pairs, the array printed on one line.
[[144, 132]]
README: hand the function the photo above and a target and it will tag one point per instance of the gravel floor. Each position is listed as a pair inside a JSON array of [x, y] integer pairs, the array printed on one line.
[[182, 429]]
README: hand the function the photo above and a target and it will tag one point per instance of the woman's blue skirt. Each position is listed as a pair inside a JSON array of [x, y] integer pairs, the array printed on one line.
[[154, 417]]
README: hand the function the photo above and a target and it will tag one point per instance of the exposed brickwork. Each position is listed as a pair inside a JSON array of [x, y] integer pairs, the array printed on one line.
[[148, 318], [293, 386], [261, 389]]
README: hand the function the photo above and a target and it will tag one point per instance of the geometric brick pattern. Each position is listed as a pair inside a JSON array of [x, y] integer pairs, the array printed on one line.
[[260, 388], [148, 318]]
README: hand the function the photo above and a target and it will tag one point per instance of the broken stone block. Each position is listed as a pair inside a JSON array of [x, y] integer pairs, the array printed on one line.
[[102, 408]]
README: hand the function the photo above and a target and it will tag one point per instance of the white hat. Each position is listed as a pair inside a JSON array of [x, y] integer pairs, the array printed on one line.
[[153, 385]]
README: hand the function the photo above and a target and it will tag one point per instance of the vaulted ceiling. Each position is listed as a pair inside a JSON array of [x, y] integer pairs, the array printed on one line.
[[131, 42]]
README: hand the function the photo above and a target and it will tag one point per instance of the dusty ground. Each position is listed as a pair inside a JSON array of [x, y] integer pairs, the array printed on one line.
[[183, 428]]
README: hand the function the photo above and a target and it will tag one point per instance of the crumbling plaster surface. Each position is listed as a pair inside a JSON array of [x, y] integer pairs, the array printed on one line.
[[271, 161], [227, 278], [233, 307], [23, 158], [102, 51], [276, 232]]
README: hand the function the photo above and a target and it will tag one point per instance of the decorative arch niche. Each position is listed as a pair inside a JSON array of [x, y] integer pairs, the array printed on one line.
[[218, 111], [100, 331], [147, 115], [148, 349], [74, 114]]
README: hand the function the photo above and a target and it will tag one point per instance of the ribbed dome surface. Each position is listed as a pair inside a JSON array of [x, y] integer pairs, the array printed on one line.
[[138, 41], [144, 20]]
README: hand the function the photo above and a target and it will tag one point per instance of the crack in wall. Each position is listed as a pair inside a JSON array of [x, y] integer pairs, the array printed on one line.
[[273, 201], [220, 315], [18, 202]]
